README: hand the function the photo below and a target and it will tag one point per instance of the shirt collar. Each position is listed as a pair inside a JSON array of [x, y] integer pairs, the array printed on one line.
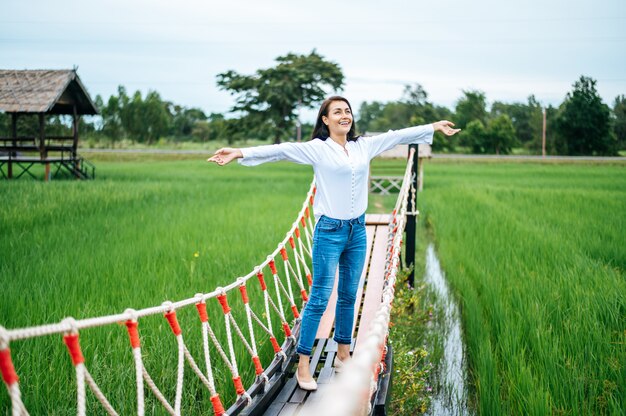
[[335, 144]]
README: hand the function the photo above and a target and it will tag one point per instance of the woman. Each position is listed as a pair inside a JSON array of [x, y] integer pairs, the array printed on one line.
[[341, 165]]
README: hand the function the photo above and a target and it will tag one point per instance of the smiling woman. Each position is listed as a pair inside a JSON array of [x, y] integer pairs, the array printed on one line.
[[341, 167]]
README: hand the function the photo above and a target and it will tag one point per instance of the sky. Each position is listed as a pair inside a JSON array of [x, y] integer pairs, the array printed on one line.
[[506, 49]]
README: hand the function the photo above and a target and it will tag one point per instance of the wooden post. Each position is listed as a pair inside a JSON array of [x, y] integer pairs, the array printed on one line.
[[43, 153], [14, 135], [409, 248], [75, 142]]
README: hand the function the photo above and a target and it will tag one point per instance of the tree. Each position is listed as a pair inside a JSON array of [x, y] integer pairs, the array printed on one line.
[[583, 122], [526, 119], [619, 121], [500, 137], [472, 106], [275, 93], [474, 135]]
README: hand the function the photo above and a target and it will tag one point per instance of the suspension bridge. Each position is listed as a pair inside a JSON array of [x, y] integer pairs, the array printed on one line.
[[284, 279]]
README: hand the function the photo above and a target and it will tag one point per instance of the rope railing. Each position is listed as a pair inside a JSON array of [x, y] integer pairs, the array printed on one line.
[[355, 386], [298, 240]]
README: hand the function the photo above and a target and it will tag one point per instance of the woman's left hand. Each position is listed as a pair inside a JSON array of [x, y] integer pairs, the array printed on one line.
[[445, 127]]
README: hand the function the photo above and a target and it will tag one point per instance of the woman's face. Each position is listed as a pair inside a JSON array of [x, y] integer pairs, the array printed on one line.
[[339, 118]]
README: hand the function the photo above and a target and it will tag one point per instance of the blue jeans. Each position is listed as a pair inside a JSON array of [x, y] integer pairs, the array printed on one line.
[[335, 242]]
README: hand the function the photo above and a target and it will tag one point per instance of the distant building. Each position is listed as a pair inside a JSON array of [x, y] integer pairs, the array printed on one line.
[[40, 93]]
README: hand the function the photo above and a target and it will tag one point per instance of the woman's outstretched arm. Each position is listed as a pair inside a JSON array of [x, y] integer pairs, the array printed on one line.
[[411, 135], [303, 153]]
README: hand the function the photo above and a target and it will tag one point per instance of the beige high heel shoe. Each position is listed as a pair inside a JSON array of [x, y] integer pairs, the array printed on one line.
[[339, 365], [306, 385]]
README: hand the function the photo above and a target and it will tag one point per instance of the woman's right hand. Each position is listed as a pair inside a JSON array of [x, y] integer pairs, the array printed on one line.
[[225, 155]]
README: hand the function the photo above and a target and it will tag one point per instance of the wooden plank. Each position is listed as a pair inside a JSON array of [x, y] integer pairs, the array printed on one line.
[[377, 219], [289, 409], [374, 288]]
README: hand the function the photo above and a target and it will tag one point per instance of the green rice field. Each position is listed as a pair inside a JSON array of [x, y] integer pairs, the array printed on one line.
[[535, 252]]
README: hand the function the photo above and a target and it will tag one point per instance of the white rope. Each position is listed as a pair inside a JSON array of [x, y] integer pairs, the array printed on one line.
[[297, 276], [80, 389], [245, 342], [207, 358], [157, 393], [139, 379], [267, 311], [300, 258], [220, 350], [98, 393], [231, 349], [198, 372], [294, 249], [290, 296], [181, 374], [17, 407]]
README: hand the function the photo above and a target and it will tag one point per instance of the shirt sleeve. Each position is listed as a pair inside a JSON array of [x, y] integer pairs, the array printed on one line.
[[411, 135], [302, 153]]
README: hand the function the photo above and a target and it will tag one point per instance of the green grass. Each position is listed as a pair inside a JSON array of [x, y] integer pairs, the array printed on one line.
[[128, 239], [537, 256], [535, 252]]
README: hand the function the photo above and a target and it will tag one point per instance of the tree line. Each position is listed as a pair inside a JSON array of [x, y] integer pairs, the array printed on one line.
[[267, 103]]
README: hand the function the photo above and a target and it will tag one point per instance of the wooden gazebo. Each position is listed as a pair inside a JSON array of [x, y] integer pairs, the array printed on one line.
[[43, 92]]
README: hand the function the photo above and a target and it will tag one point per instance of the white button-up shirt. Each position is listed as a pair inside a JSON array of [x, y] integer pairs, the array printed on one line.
[[341, 178]]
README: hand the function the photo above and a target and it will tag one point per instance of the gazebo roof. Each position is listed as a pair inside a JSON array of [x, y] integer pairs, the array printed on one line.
[[44, 91]]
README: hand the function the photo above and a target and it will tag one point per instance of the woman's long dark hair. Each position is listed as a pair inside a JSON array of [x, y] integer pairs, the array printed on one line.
[[320, 131]]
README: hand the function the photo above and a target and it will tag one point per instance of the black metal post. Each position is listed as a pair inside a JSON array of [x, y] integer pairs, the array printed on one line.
[[411, 220]]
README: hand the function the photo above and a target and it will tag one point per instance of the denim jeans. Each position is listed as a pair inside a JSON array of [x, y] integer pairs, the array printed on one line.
[[335, 242]]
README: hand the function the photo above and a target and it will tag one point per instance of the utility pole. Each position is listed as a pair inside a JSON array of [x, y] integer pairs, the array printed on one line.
[[543, 135]]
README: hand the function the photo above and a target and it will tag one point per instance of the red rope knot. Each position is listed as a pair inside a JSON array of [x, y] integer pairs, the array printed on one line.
[[275, 345], [238, 386], [272, 265], [221, 298], [283, 253], [307, 214], [170, 315], [201, 307], [309, 279], [259, 275], [297, 232], [244, 293], [73, 347], [304, 295], [294, 310], [257, 365], [302, 221], [133, 333], [6, 367], [218, 408], [286, 329]]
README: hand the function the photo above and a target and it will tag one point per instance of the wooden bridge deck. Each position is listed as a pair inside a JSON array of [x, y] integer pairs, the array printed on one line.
[[289, 399]]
